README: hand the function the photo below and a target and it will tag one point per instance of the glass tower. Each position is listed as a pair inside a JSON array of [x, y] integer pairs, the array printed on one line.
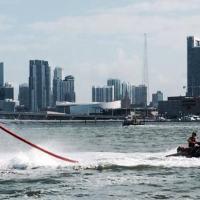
[[23, 96], [39, 85], [57, 85], [103, 94], [68, 92], [117, 88], [141, 95], [193, 66]]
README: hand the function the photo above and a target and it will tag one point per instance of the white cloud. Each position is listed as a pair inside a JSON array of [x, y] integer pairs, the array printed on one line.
[[149, 15]]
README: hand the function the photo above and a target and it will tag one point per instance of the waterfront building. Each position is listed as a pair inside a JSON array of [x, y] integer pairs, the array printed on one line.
[[141, 95], [57, 85], [39, 85], [87, 108], [6, 98], [68, 90], [23, 95], [7, 92], [117, 88], [156, 97], [193, 66], [179, 106], [7, 105], [103, 94], [1, 74]]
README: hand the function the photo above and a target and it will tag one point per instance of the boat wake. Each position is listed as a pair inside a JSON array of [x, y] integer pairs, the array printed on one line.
[[33, 159]]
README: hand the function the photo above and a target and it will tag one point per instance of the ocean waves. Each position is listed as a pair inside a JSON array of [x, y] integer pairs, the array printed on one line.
[[32, 160]]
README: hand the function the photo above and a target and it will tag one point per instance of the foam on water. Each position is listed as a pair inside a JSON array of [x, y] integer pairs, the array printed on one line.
[[95, 160], [133, 160]]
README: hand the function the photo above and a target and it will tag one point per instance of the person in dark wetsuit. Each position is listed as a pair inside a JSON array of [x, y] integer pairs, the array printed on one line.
[[192, 141]]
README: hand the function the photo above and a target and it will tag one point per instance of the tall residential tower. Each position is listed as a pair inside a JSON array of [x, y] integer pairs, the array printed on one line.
[[39, 85], [117, 88], [57, 85], [23, 95], [156, 97], [68, 91], [103, 94], [193, 66], [141, 95]]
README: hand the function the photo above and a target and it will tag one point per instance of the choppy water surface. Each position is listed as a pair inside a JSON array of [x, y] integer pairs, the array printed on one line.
[[115, 162]]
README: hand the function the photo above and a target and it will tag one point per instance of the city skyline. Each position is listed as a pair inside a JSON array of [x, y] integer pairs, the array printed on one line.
[[85, 40]]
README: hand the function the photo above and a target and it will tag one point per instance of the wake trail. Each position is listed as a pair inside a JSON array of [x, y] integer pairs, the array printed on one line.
[[95, 161]]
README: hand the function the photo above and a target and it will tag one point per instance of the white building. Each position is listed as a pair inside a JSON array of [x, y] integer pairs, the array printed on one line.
[[87, 108]]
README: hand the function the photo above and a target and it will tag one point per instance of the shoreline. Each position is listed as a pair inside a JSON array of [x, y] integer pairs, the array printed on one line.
[[83, 121]]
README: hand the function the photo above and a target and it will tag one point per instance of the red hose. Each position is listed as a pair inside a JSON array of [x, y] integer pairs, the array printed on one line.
[[35, 146]]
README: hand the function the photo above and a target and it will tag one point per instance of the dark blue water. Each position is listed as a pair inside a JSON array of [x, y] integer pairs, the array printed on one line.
[[115, 162]]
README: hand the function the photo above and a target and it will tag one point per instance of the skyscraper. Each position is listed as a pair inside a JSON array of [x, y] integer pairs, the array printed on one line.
[[68, 91], [39, 85], [103, 94], [6, 92], [108, 93], [193, 66], [1, 74], [158, 96], [57, 85], [57, 73], [141, 95], [23, 96], [117, 88]]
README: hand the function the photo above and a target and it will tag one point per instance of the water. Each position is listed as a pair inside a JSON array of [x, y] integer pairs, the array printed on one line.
[[115, 162]]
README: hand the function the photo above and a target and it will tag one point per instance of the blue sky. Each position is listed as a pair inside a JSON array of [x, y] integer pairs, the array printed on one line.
[[99, 39]]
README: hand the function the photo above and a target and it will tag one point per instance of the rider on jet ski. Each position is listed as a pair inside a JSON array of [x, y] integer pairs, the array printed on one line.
[[192, 141], [193, 149]]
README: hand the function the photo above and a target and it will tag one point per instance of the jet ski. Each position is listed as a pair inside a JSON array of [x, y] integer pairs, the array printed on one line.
[[188, 152]]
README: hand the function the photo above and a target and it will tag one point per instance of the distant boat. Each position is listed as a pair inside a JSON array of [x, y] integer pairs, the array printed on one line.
[[132, 120]]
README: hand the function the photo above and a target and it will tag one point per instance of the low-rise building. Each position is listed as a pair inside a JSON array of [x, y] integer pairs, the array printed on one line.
[[87, 108], [179, 106], [7, 105]]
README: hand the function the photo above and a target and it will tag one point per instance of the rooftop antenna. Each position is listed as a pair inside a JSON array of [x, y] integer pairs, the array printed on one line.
[[145, 80]]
